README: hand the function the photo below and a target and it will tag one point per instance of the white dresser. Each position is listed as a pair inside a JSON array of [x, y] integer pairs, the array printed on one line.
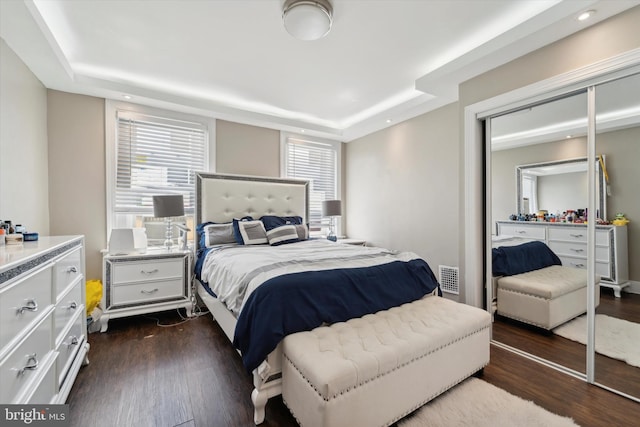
[[43, 326], [135, 284], [569, 242]]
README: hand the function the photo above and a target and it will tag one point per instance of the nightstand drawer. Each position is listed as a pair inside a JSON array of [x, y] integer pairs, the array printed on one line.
[[140, 293], [23, 303], [25, 362], [139, 271], [66, 270], [67, 307]]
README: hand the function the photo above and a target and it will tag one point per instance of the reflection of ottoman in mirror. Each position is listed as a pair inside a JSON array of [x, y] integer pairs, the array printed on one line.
[[547, 297]]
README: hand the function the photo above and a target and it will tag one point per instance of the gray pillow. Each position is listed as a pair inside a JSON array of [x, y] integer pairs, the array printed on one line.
[[218, 234]]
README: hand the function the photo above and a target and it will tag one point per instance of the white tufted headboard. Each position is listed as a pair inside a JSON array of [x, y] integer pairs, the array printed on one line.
[[222, 197]]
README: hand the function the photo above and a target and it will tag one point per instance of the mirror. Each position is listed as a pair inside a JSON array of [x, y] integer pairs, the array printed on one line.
[[555, 187], [617, 317], [553, 135], [536, 144]]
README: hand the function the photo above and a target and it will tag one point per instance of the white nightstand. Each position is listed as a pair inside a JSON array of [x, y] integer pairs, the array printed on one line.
[[145, 283], [356, 242]]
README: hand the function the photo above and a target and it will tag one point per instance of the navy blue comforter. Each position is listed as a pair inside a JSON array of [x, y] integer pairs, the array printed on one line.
[[302, 301], [511, 260]]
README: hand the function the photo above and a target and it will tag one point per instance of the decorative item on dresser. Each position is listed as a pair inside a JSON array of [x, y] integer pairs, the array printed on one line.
[[569, 242], [43, 332], [157, 280]]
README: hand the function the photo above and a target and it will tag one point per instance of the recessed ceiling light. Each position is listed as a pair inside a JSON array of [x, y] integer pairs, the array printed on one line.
[[126, 96], [388, 120], [302, 130], [568, 136], [586, 15]]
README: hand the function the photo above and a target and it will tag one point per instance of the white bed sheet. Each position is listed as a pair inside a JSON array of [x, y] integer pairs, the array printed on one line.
[[233, 273]]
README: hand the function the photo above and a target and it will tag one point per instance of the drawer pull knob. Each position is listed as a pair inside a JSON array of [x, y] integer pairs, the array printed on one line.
[[579, 265], [521, 231], [576, 250], [31, 305], [155, 270], [73, 305], [32, 364], [73, 341], [72, 269], [576, 235], [149, 292]]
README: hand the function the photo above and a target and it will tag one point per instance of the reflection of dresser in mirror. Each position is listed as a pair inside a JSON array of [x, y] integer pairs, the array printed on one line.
[[569, 242]]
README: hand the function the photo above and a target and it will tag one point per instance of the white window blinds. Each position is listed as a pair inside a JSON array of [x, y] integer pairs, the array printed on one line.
[[316, 162], [156, 155]]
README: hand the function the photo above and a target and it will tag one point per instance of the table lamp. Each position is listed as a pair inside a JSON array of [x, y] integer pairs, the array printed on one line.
[[332, 209], [168, 206]]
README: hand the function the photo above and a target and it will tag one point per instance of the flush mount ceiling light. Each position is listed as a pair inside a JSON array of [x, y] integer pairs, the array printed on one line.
[[307, 19]]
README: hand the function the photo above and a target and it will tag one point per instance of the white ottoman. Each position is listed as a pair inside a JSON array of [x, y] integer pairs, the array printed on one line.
[[547, 297], [373, 370]]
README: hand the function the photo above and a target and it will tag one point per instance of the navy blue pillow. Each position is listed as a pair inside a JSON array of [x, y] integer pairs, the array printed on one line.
[[272, 221]]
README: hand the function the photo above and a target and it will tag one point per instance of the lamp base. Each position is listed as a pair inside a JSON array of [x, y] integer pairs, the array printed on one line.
[[168, 242]]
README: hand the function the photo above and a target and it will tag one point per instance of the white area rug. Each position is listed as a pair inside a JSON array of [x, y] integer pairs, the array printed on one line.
[[615, 338], [476, 403]]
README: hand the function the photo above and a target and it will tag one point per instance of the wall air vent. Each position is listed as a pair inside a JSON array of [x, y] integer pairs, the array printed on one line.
[[449, 279]]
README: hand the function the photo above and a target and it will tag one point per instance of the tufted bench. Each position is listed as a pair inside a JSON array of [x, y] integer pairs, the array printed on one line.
[[546, 297], [373, 370]]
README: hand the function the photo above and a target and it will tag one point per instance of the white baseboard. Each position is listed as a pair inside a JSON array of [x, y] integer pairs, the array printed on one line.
[[633, 288]]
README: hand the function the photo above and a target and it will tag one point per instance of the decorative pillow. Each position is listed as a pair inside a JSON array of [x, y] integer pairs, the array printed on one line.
[[283, 234], [249, 232], [217, 234], [271, 221], [303, 231]]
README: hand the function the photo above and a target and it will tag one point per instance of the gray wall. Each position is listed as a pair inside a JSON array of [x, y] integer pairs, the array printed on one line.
[[247, 150], [77, 180], [24, 171], [401, 187]]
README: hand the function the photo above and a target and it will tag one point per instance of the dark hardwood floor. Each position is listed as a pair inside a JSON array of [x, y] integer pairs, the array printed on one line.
[[610, 372], [141, 374]]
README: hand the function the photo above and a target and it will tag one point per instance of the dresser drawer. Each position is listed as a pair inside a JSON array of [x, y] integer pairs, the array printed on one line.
[[603, 269], [22, 365], [141, 293], [522, 230], [138, 271], [47, 388], [568, 234], [67, 269], [68, 348], [22, 303], [578, 250], [69, 304]]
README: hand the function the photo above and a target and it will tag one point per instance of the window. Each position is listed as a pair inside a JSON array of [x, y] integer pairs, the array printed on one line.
[[316, 161], [152, 152]]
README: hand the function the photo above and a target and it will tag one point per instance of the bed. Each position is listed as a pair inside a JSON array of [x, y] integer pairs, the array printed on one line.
[[320, 282]]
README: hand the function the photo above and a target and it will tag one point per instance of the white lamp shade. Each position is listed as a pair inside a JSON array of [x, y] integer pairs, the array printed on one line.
[[331, 208], [307, 20]]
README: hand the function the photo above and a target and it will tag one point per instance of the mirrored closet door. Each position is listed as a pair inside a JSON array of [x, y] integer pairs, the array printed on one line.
[[617, 319], [538, 191], [558, 172]]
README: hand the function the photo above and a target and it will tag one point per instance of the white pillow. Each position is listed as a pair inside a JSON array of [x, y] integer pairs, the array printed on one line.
[[283, 234], [218, 234], [252, 232]]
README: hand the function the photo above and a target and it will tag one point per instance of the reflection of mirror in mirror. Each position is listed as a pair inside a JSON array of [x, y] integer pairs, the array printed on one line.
[[557, 187]]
